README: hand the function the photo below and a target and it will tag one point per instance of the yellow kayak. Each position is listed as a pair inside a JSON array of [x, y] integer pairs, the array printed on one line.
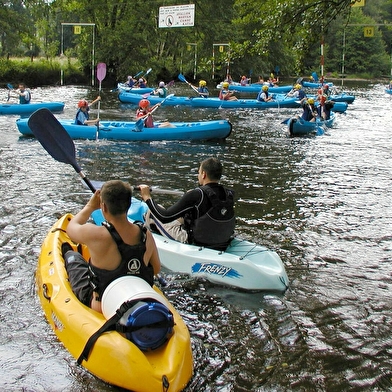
[[112, 358]]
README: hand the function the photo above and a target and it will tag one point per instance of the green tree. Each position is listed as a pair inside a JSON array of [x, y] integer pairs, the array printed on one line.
[[361, 54]]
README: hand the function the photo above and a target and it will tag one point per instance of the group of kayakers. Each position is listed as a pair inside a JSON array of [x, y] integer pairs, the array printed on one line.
[[203, 216]]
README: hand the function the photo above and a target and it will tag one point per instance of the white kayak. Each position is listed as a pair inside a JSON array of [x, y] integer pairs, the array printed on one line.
[[243, 264]]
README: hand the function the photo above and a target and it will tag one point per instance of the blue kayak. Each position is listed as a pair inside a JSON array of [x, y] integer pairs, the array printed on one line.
[[215, 102], [256, 87], [315, 84], [299, 127], [128, 97], [29, 108], [337, 97], [134, 90], [112, 130], [388, 91], [244, 265]]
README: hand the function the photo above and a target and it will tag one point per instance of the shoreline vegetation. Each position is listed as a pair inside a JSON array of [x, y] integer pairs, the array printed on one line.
[[47, 72]]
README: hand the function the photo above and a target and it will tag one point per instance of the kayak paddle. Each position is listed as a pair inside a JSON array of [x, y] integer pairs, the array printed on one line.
[[183, 79], [98, 185], [101, 73], [10, 88], [139, 125], [57, 142]]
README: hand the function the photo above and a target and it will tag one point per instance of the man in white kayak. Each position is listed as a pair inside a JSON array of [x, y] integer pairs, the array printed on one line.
[[203, 216]]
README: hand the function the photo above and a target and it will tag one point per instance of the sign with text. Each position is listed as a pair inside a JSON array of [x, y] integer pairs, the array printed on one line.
[[177, 16]]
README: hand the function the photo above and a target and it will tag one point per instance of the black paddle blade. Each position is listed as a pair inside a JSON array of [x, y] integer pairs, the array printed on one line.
[[53, 137], [55, 140]]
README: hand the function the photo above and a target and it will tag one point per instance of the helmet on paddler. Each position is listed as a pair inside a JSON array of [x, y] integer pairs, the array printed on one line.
[[144, 103], [298, 86], [82, 103], [265, 88], [225, 84], [203, 83], [311, 101]]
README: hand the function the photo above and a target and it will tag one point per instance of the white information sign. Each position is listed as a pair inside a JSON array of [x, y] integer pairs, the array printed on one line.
[[177, 16]]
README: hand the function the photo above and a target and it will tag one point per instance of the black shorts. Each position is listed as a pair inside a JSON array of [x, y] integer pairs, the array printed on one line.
[[78, 274]]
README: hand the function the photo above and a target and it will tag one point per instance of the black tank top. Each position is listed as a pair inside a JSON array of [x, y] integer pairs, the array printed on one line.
[[131, 263]]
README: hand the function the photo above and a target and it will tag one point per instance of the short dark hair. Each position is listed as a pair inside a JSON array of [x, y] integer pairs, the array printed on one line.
[[117, 195], [213, 167]]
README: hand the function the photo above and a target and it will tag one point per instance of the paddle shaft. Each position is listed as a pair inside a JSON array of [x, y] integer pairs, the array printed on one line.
[[140, 122], [183, 79]]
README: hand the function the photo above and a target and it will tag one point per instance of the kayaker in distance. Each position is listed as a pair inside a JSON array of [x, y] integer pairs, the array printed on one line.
[[225, 94], [203, 216], [23, 94], [144, 111], [82, 115], [309, 110], [161, 91], [202, 89], [263, 95], [117, 248]]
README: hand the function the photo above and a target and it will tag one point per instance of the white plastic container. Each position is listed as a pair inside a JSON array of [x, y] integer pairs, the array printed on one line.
[[127, 288], [147, 320]]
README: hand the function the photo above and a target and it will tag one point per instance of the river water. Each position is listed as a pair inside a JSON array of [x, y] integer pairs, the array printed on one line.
[[323, 203]]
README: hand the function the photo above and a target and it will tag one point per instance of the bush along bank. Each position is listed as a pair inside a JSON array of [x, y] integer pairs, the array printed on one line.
[[39, 72]]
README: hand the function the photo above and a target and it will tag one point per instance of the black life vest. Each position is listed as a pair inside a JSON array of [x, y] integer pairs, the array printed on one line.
[[215, 228], [132, 263]]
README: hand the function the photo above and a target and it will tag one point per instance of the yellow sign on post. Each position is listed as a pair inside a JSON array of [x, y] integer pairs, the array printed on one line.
[[221, 48], [368, 32], [77, 29], [358, 3]]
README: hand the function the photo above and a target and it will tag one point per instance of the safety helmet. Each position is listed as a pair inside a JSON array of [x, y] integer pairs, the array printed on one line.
[[326, 87], [82, 103], [202, 83], [265, 88], [144, 103], [161, 84], [311, 101], [298, 86], [225, 84], [141, 80]]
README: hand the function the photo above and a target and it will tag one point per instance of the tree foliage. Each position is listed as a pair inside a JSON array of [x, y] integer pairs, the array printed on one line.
[[254, 36]]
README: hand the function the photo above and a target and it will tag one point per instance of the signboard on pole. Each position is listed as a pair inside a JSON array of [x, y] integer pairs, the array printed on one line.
[[177, 16]]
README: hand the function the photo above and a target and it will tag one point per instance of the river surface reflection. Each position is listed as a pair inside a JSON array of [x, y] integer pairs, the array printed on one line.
[[323, 203]]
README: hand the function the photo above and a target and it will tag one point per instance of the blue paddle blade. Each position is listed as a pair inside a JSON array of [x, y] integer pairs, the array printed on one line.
[[10, 86], [182, 78], [139, 125]]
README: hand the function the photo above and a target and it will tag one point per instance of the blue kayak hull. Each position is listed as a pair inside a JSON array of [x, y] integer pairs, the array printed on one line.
[[29, 108], [299, 127], [256, 87], [337, 97], [134, 90], [210, 102], [112, 130]]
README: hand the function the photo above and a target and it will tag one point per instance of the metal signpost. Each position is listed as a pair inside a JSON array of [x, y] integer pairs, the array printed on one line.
[[78, 31]]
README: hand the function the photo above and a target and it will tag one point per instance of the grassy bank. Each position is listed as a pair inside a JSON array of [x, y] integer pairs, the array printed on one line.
[[41, 72]]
